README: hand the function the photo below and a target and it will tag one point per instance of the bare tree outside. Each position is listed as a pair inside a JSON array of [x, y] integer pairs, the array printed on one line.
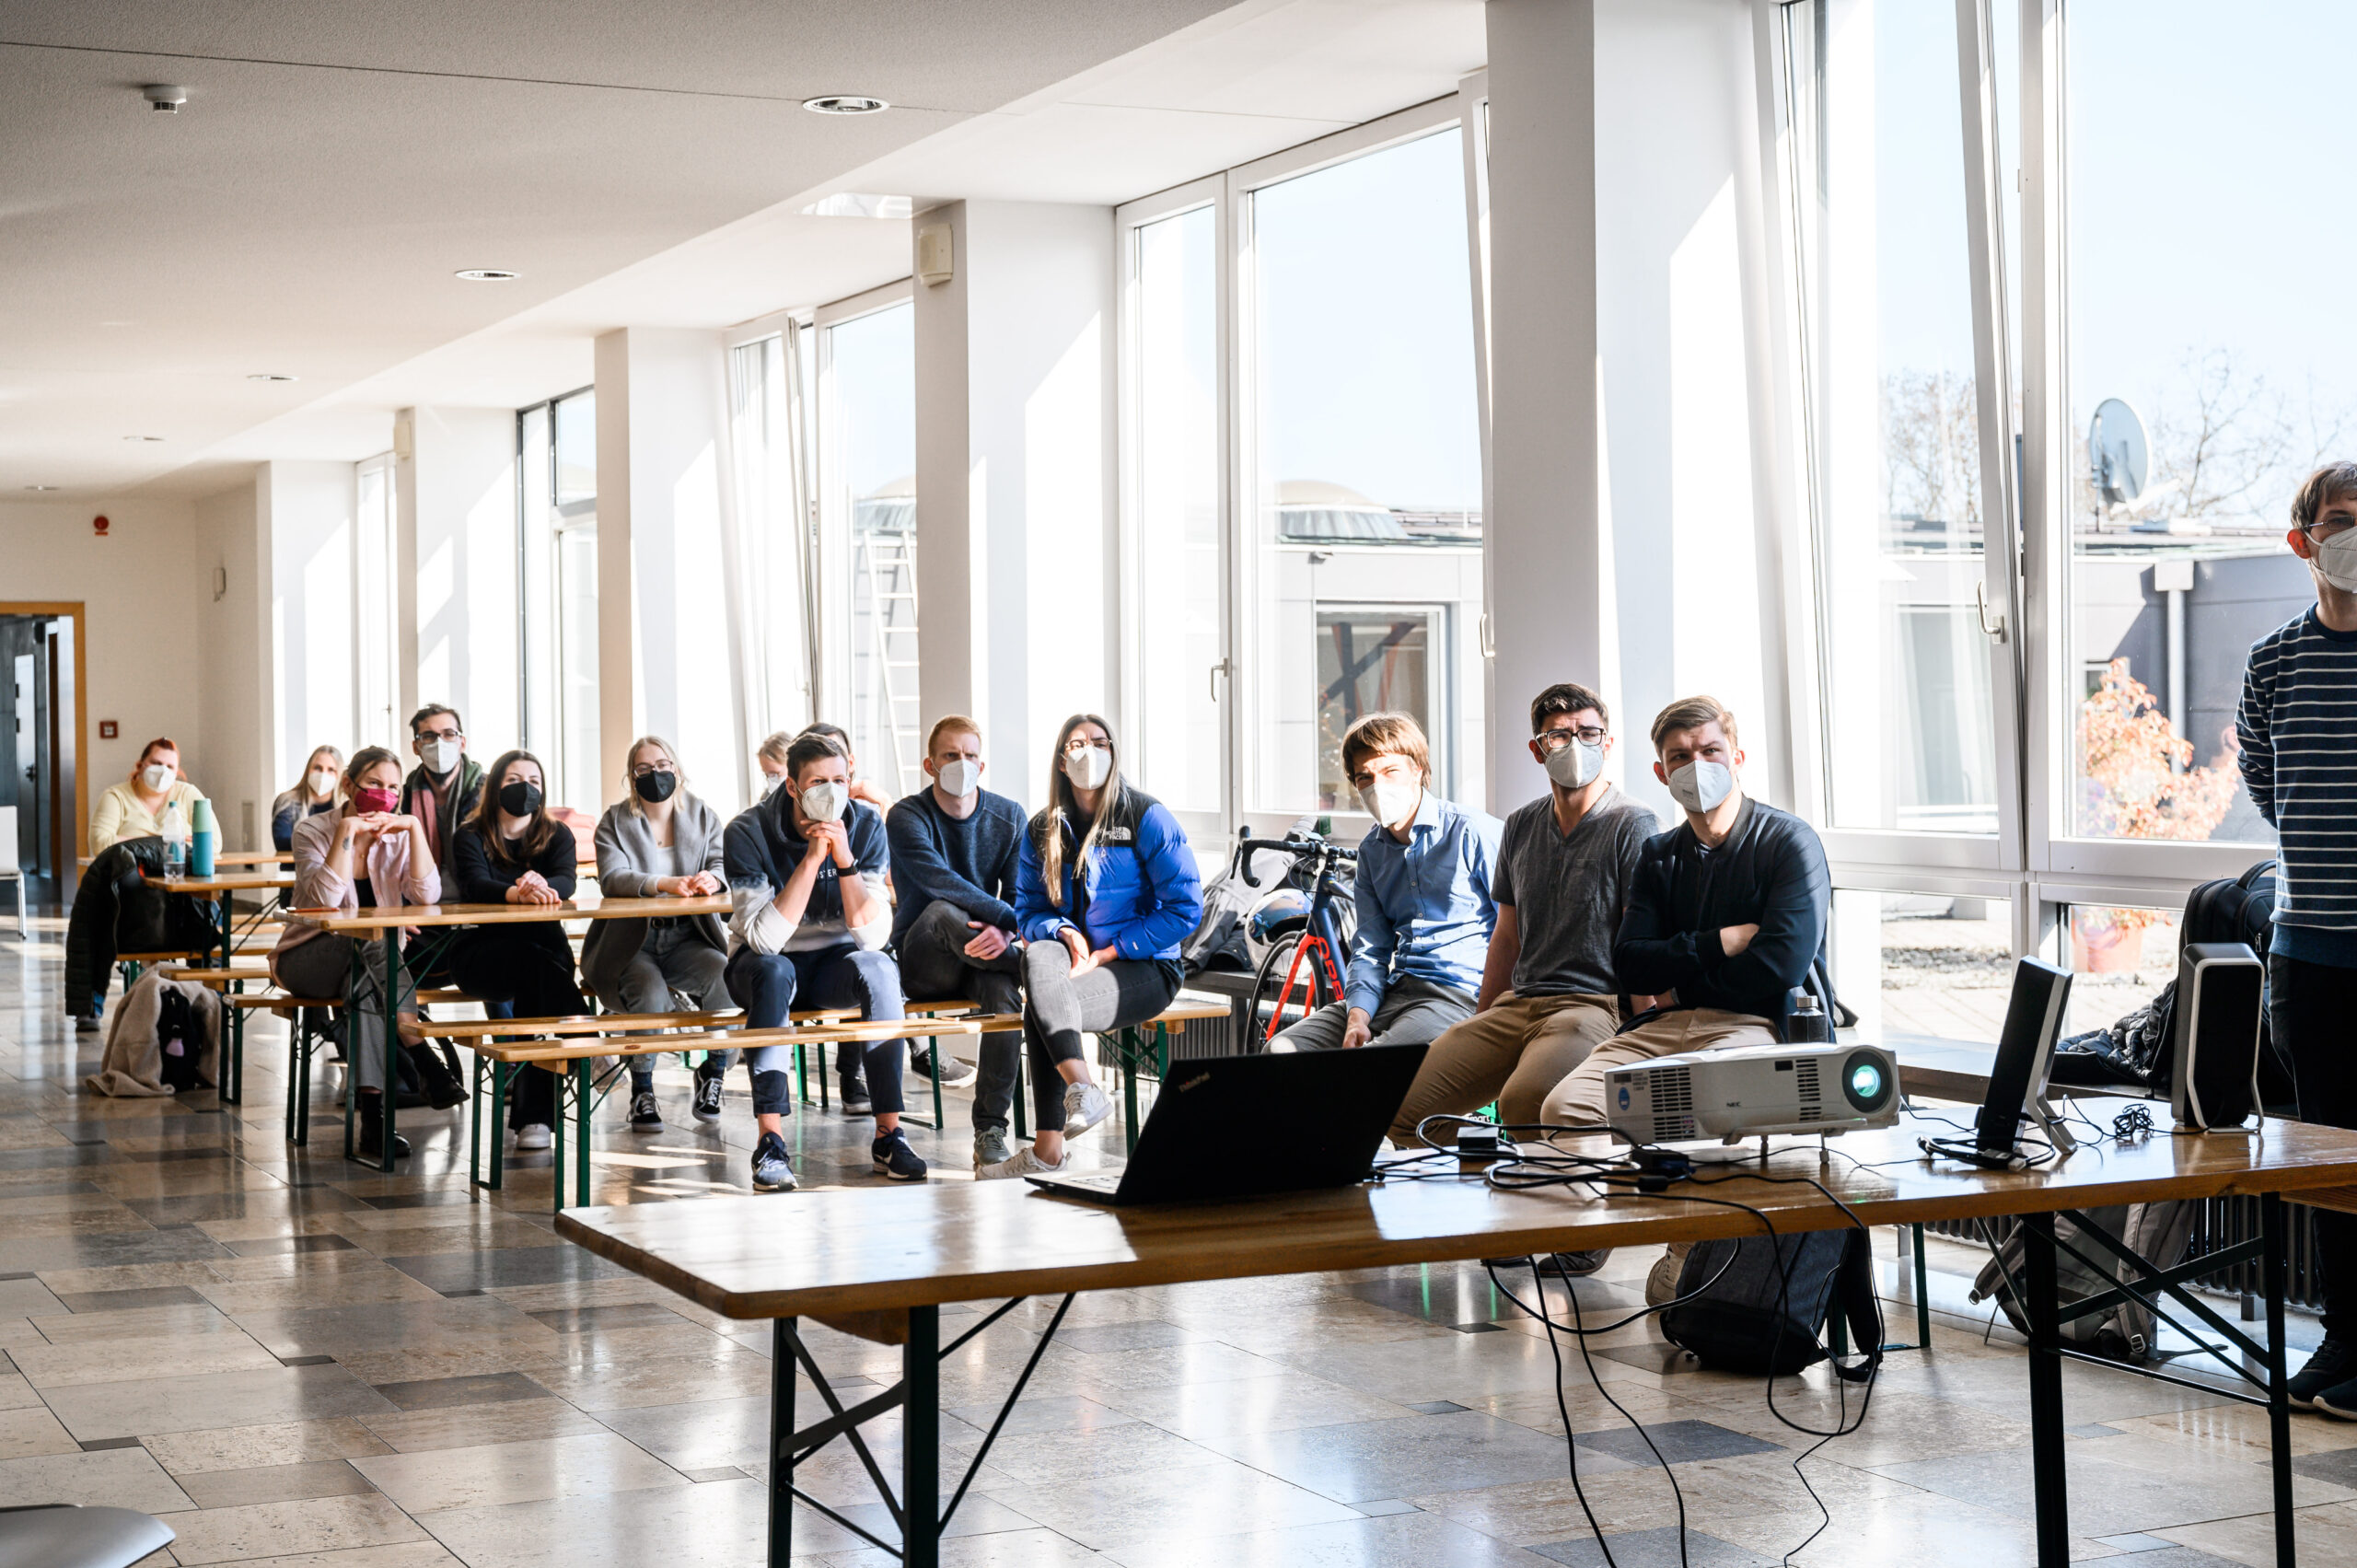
[[1932, 449]]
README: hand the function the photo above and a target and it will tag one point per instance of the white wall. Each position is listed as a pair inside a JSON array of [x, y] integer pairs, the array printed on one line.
[[456, 499], [230, 758], [137, 588], [667, 669], [1016, 567], [304, 511]]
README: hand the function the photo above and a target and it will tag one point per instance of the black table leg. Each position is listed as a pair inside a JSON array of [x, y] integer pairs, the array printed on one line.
[[2047, 1473], [781, 1442], [920, 1441], [2274, 1265]]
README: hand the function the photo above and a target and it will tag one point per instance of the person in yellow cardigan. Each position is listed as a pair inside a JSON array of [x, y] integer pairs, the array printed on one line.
[[134, 809]]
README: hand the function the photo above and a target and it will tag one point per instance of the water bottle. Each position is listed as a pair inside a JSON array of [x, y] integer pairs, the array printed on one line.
[[203, 838], [174, 828], [1809, 1026]]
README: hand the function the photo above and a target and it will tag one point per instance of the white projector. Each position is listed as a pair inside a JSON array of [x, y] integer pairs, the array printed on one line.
[[1749, 1090]]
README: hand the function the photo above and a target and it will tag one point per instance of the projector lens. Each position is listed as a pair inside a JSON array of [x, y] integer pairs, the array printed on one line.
[[1864, 1082]]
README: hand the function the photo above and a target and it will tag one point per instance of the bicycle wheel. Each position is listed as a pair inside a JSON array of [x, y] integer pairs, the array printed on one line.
[[1310, 990]]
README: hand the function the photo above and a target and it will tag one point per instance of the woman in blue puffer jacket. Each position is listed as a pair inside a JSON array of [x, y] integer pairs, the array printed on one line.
[[1105, 890]]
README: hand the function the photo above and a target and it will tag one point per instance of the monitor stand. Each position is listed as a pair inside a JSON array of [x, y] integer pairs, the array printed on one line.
[[2049, 1124]]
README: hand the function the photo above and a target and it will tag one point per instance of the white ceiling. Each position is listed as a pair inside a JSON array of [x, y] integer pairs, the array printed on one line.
[[640, 166]]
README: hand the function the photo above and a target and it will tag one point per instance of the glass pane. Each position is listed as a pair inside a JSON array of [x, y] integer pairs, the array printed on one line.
[[1893, 414], [1369, 461], [2119, 960], [873, 361], [1372, 660], [373, 604], [536, 516], [1177, 350], [577, 764], [2217, 383], [576, 449], [1923, 966]]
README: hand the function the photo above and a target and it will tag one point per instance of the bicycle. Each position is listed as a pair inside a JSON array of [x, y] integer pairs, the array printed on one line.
[[1309, 947]]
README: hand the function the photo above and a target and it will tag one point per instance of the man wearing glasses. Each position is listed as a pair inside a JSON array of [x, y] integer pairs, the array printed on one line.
[[1548, 994], [2297, 730], [440, 791]]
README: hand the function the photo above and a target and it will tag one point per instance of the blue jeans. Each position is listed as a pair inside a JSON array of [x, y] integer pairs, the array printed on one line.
[[767, 985]]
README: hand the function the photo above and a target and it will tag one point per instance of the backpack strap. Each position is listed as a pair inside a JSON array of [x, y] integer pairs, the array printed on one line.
[[1854, 1298]]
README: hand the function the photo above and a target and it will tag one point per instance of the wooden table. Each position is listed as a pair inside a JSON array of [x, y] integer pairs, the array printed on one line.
[[894, 1257], [446, 920]]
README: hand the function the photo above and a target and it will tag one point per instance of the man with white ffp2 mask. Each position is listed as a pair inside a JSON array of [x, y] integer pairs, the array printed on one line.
[[954, 850], [1422, 898], [1727, 914], [442, 790], [1548, 995]]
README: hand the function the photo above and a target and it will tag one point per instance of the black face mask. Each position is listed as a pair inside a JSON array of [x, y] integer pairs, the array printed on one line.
[[656, 785], [518, 799]]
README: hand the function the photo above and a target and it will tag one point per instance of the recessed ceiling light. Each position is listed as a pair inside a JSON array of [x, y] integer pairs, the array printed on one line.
[[850, 204], [845, 104], [41, 487], [266, 376], [143, 438], [486, 274]]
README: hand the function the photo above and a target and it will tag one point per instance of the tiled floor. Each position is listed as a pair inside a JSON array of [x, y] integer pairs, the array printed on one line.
[[299, 1361]]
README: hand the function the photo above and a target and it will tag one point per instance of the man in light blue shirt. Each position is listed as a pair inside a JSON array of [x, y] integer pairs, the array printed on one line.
[[1426, 913]]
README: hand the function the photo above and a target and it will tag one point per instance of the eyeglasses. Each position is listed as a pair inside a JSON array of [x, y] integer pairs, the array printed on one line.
[[2332, 525], [438, 735], [643, 768], [1554, 740], [1074, 747]]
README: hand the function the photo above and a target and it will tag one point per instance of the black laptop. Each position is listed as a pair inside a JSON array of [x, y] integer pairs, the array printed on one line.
[[1244, 1126]]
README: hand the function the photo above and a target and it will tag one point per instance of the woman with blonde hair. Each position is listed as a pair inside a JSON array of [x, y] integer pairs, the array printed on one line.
[[314, 794], [1105, 890], [661, 840]]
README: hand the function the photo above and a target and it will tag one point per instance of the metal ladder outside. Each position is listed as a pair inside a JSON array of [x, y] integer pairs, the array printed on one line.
[[888, 561]]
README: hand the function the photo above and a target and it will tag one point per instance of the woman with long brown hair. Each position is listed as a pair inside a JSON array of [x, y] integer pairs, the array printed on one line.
[[513, 851], [1105, 890]]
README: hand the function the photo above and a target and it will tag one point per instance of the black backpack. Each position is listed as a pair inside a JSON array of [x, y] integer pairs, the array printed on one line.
[[1734, 1324], [180, 1040]]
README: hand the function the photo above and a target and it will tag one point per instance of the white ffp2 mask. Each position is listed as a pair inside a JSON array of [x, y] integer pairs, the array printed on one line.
[[824, 801], [1089, 767], [1391, 801], [439, 756], [1575, 766], [157, 777], [961, 778], [2336, 559], [1701, 785]]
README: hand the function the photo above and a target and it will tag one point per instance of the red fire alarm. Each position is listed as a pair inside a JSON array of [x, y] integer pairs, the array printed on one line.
[[108, 729], [99, 525]]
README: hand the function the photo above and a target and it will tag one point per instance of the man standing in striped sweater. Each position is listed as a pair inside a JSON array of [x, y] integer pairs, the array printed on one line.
[[2298, 730]]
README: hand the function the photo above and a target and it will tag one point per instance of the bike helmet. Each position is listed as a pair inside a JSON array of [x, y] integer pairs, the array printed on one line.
[[1278, 916]]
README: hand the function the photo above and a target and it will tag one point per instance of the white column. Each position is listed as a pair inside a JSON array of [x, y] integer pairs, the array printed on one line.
[[454, 494], [230, 755], [304, 512], [1016, 567], [664, 664], [1550, 553]]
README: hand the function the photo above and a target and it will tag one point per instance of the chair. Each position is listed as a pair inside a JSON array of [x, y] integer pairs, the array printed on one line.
[[10, 866], [66, 1535]]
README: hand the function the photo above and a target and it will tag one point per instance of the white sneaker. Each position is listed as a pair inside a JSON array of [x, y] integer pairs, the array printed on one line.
[[1086, 1105], [1027, 1162], [533, 1136]]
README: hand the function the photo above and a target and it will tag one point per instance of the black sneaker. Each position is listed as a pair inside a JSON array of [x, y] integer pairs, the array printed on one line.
[[856, 1100], [1569, 1265], [644, 1115], [707, 1100], [897, 1161], [955, 1074], [372, 1132], [2331, 1364], [773, 1166]]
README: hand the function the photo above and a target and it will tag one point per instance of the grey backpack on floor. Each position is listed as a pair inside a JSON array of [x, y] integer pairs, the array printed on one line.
[[1756, 1307], [2158, 1232]]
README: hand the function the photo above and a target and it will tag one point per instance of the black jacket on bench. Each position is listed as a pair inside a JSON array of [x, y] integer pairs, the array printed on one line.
[[1770, 872]]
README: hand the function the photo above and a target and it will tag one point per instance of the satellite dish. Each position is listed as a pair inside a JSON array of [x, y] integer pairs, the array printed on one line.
[[2116, 452]]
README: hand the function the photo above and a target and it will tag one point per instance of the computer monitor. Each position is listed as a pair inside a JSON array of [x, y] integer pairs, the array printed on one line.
[[2024, 1052]]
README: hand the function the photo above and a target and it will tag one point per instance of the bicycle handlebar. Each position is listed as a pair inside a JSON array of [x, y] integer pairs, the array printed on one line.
[[1321, 848]]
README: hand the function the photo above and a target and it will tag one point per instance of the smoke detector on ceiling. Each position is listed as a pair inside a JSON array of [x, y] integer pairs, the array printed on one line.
[[162, 99], [845, 104], [487, 275]]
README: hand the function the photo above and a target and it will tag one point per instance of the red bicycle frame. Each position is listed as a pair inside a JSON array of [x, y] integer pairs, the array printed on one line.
[[1310, 938]]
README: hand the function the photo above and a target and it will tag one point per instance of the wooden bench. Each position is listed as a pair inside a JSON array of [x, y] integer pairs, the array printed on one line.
[[571, 1056]]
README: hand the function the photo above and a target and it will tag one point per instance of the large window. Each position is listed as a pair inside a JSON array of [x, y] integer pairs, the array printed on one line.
[[776, 528], [868, 569], [375, 615], [1303, 470], [1174, 447], [1366, 572], [2207, 376], [557, 545], [1891, 416]]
